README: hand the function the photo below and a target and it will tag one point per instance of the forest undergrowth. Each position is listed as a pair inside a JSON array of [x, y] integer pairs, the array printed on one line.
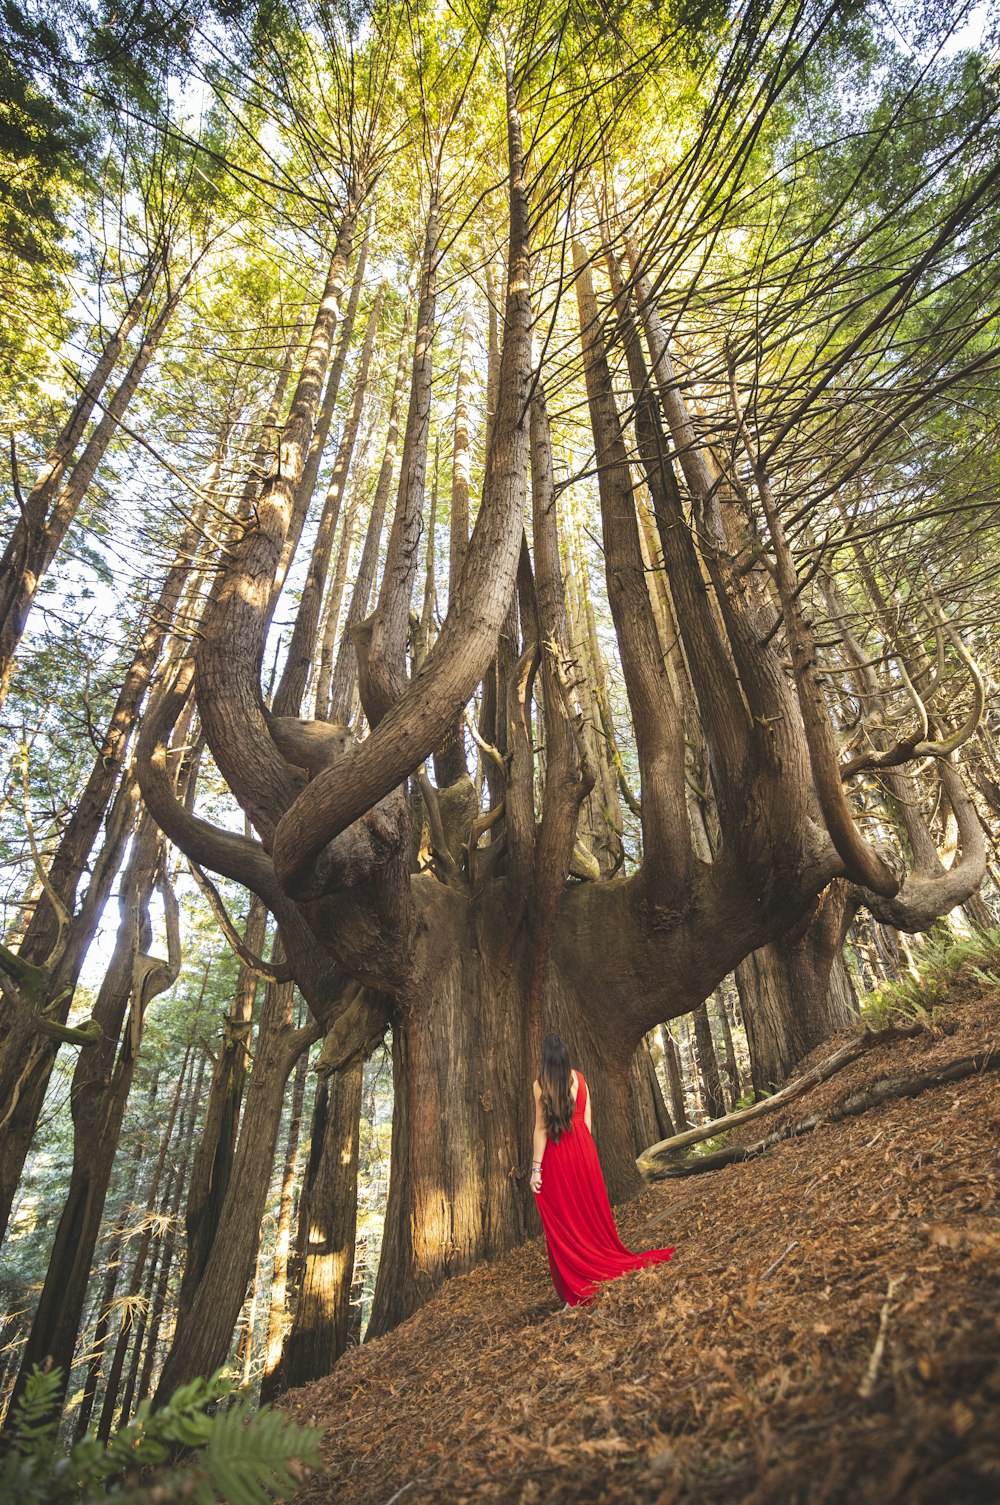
[[828, 1330]]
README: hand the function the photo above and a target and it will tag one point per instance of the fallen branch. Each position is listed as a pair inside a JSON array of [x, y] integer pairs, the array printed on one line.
[[866, 1040], [781, 1257], [867, 1385], [849, 1107]]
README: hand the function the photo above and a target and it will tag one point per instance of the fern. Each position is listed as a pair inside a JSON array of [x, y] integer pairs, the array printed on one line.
[[35, 1417], [233, 1456], [942, 962]]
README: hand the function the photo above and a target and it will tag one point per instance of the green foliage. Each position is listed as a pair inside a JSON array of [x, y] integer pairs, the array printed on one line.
[[230, 1455], [943, 964]]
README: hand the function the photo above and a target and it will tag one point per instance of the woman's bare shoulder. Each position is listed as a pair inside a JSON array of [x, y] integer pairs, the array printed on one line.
[[536, 1087]]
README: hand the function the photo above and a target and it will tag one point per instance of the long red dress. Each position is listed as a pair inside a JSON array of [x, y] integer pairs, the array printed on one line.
[[580, 1233]]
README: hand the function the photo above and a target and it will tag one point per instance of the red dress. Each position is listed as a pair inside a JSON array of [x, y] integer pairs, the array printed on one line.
[[580, 1233]]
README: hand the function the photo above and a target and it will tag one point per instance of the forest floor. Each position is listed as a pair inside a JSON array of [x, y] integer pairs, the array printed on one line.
[[827, 1331]]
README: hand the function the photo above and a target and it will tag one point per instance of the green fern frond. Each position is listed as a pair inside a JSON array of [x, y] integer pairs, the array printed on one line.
[[35, 1418], [235, 1458]]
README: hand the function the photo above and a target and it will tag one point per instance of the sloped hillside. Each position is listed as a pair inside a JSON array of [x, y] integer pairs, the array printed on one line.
[[829, 1330]]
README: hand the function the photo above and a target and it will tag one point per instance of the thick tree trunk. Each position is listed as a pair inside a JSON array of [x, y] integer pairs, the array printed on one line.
[[462, 1114], [796, 992]]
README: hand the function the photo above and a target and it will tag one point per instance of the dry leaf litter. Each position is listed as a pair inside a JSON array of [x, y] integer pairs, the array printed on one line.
[[828, 1330]]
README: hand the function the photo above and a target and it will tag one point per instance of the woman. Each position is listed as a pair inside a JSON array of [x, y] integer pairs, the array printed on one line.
[[580, 1233]]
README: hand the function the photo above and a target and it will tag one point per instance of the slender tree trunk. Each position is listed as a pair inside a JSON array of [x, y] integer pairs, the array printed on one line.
[[98, 1097], [708, 1063], [34, 551], [213, 1160], [345, 671], [30, 528], [647, 1110], [146, 1344], [334, 601], [732, 1068], [675, 1082], [276, 1323], [26, 1053], [288, 697], [204, 1330], [321, 433], [141, 1279], [796, 992], [328, 1218], [449, 760], [382, 667], [95, 1362]]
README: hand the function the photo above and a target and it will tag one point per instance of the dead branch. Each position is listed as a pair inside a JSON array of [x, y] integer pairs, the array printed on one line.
[[269, 971], [852, 1106], [867, 1385], [865, 1041]]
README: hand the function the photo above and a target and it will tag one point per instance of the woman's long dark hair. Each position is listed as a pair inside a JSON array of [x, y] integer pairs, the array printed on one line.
[[554, 1080]]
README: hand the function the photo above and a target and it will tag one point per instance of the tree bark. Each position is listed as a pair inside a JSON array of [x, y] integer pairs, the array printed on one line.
[[204, 1331], [449, 760], [291, 688], [795, 991], [141, 1279], [732, 1066], [462, 1114], [321, 433], [276, 1324], [345, 671], [213, 1156], [328, 1214], [647, 1109], [708, 1064], [33, 548], [98, 1097], [26, 1056], [29, 532], [672, 1065]]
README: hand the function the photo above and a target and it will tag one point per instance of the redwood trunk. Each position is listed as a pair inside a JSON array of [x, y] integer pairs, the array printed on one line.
[[205, 1331], [98, 1097], [796, 992], [462, 1108], [329, 1216]]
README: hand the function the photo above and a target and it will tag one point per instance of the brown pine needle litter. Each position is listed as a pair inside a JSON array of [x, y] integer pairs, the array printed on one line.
[[828, 1331]]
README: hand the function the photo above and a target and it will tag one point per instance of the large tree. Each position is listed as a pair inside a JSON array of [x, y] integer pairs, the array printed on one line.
[[473, 955]]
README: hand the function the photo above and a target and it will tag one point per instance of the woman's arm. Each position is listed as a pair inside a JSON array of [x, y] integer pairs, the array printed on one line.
[[586, 1108], [538, 1141]]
